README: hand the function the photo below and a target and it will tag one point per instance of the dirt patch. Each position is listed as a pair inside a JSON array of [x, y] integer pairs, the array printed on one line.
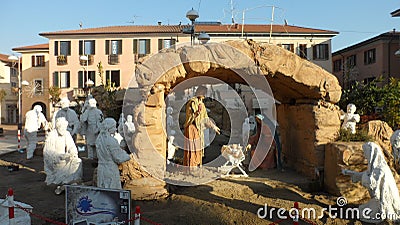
[[223, 201]]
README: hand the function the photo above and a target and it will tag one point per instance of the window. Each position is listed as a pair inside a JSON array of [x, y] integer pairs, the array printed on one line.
[[166, 43], [38, 86], [87, 47], [289, 47], [321, 52], [370, 56], [61, 79], [113, 47], [337, 65], [351, 61], [13, 71], [62, 48], [113, 76], [82, 78], [38, 61], [368, 80], [303, 51], [141, 47]]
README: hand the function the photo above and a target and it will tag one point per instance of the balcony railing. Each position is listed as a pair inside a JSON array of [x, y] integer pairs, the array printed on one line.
[[90, 62], [62, 60], [79, 93], [113, 59]]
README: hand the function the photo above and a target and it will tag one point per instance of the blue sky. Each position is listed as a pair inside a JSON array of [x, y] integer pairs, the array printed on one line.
[[355, 20]]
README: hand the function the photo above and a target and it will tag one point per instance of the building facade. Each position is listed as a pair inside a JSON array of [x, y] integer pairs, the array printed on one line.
[[8, 90], [35, 70], [367, 60], [74, 56]]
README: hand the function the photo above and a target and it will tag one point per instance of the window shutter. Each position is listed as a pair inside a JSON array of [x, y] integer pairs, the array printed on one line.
[[92, 76], [314, 52], [107, 47], [135, 47], [160, 44], [56, 48], [173, 41], [80, 79], [93, 50], [80, 47], [55, 79], [120, 47], [148, 46], [107, 76], [69, 48], [326, 52], [33, 61], [67, 79]]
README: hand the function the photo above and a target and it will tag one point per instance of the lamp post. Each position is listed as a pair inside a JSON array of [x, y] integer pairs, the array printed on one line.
[[86, 58], [89, 84], [14, 59], [192, 15]]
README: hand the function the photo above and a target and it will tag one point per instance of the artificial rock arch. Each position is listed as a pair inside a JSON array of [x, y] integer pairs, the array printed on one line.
[[307, 115]]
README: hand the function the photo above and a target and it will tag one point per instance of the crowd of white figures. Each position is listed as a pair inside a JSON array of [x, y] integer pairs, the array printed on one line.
[[104, 143]]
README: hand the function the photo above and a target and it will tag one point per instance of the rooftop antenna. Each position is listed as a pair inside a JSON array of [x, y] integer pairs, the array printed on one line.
[[232, 15], [80, 25], [133, 20], [272, 19]]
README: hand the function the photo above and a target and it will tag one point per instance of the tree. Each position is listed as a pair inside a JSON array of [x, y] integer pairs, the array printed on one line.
[[3, 94], [54, 93], [370, 97]]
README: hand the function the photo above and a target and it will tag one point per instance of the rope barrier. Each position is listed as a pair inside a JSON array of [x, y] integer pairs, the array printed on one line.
[[40, 217]]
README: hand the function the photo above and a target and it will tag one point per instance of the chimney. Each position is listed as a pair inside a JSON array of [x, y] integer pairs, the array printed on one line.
[[159, 23]]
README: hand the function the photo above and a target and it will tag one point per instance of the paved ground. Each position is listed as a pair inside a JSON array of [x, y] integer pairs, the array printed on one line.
[[9, 141]]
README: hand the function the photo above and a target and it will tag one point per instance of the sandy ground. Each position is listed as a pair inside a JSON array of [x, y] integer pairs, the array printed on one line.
[[223, 201]]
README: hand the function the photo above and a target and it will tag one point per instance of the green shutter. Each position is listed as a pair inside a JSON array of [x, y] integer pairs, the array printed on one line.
[[55, 79], [148, 46], [120, 47], [56, 48], [135, 46], [107, 47], [80, 47], [69, 48], [160, 44], [68, 78], [80, 79]]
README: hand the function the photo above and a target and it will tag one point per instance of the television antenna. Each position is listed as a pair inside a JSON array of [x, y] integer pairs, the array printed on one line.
[[134, 17]]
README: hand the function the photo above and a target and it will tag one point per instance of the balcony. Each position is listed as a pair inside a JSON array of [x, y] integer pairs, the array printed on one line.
[[79, 93], [90, 62], [62, 60], [113, 59]]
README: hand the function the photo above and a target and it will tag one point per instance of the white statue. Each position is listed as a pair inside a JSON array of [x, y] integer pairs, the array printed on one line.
[[235, 156], [60, 156], [350, 119], [170, 120], [69, 115], [245, 131], [379, 181], [109, 156], [34, 120], [171, 147], [91, 119], [395, 142]]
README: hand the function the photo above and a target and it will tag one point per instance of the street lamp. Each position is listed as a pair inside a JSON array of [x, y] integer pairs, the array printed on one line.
[[14, 59], [89, 84], [192, 15], [203, 37], [86, 58]]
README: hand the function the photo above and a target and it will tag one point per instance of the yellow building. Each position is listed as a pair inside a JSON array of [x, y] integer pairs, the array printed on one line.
[[119, 48]]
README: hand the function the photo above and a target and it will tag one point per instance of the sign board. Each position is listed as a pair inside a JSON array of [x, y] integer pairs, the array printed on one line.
[[93, 206]]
